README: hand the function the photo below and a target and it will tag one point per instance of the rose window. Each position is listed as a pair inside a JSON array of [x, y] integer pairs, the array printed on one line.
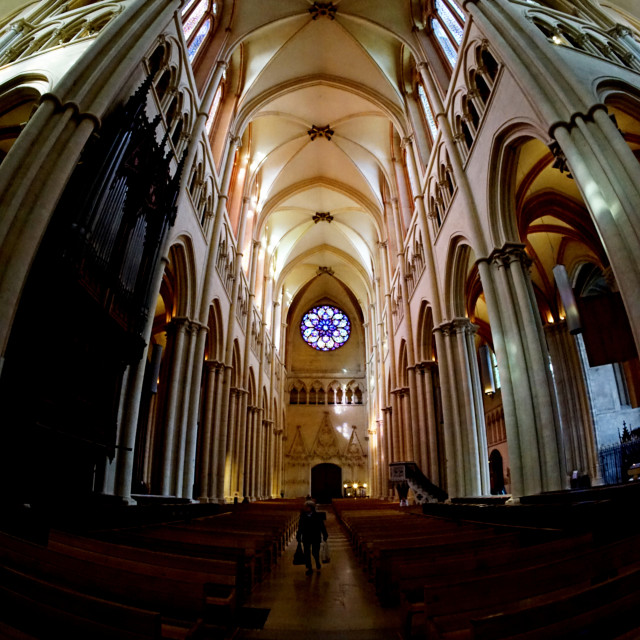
[[325, 328]]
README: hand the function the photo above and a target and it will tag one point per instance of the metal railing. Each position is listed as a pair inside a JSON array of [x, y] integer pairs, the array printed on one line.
[[615, 460]]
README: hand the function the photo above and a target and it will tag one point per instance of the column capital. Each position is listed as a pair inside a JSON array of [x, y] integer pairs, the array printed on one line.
[[507, 254], [427, 365], [178, 323], [457, 325], [21, 25], [407, 141], [620, 31]]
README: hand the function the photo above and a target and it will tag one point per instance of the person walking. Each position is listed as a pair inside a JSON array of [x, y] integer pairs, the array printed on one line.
[[310, 530]]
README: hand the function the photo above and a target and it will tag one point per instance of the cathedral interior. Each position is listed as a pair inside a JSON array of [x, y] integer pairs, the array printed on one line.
[[380, 254]]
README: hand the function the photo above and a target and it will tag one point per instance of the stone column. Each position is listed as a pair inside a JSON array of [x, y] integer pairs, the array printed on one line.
[[239, 441], [573, 402], [452, 438], [383, 435], [209, 445], [220, 433], [248, 338], [16, 30], [465, 431], [393, 430], [208, 288], [181, 425], [390, 455], [133, 383], [474, 429], [194, 410], [176, 331], [533, 428], [433, 466], [411, 421], [270, 449], [252, 454], [608, 175], [229, 484], [257, 421]]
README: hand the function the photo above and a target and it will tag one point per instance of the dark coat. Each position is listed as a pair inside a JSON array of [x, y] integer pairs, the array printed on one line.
[[311, 528]]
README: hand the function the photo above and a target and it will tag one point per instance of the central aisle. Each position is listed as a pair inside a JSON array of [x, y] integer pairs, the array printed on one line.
[[338, 603]]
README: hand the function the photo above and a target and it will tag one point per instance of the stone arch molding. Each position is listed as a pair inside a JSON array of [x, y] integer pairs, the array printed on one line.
[[503, 156]]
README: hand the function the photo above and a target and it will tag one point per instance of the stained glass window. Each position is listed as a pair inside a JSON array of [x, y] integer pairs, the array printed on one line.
[[187, 6], [325, 328], [197, 41], [447, 23], [445, 43], [453, 26], [428, 114], [214, 108], [194, 18], [197, 24]]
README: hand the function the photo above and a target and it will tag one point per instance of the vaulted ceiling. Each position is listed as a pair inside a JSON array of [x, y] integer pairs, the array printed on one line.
[[293, 70]]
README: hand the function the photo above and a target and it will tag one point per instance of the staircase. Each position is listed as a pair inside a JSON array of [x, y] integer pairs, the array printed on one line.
[[423, 489]]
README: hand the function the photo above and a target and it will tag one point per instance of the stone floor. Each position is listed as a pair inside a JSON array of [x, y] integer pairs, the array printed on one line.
[[337, 603]]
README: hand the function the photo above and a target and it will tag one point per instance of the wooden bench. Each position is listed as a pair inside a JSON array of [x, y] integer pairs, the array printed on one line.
[[388, 589], [246, 549], [45, 609], [450, 604], [605, 610], [409, 575], [176, 593]]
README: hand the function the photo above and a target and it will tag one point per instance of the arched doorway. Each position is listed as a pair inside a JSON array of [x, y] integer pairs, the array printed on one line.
[[326, 482], [496, 471]]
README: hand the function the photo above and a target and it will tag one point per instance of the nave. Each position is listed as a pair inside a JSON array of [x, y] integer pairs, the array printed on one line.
[[336, 603], [567, 568]]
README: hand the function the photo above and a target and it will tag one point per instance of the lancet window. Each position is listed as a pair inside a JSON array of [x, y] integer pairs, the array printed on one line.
[[215, 105], [447, 22], [427, 111], [198, 21]]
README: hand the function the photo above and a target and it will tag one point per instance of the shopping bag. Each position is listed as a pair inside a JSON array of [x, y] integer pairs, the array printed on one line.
[[298, 556], [324, 552]]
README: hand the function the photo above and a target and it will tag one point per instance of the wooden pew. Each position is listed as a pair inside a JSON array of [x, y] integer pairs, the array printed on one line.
[[45, 609], [244, 549], [388, 589], [451, 604], [605, 610], [409, 575], [177, 593], [186, 572]]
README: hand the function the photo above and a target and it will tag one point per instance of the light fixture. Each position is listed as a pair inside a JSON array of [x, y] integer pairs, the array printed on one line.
[[345, 485]]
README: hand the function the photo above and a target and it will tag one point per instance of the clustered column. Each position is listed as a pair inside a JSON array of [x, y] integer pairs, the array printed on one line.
[[529, 399], [575, 410]]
